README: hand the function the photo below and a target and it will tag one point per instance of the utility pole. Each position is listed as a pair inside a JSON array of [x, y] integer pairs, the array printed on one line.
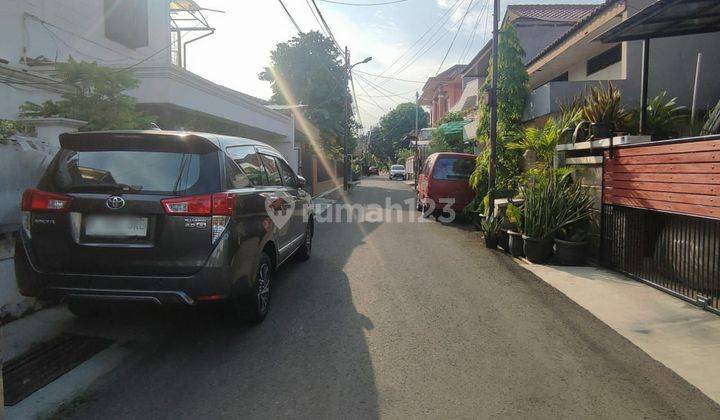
[[493, 111], [416, 162], [346, 165]]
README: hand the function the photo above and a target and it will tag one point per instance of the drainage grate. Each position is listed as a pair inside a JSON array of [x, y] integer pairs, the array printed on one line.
[[33, 370]]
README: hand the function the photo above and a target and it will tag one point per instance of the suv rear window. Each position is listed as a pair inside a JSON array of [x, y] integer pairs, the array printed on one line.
[[144, 171], [450, 168]]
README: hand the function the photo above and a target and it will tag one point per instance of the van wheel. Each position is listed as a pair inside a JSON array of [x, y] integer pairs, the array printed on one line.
[[83, 309], [257, 304], [303, 253]]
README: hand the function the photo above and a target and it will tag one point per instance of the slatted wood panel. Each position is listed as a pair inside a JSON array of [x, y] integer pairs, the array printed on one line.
[[679, 178]]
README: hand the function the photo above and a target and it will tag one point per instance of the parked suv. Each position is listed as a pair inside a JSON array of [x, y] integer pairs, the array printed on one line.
[[161, 217]]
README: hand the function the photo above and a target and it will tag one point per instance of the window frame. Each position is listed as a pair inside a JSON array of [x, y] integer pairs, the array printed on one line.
[[280, 162], [603, 60], [267, 172], [265, 179]]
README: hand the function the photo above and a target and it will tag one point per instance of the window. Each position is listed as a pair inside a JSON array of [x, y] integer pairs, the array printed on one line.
[[604, 60], [288, 175], [453, 168], [562, 78], [143, 171], [272, 170], [249, 162], [235, 176], [126, 22]]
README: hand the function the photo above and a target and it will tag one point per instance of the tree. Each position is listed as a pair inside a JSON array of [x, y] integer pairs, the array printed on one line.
[[98, 98], [512, 92], [443, 142], [308, 69], [389, 137]]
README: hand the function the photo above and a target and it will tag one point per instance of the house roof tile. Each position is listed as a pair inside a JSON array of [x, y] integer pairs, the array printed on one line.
[[552, 12]]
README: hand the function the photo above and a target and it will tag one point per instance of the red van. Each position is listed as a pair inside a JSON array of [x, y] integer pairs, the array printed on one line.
[[446, 176]]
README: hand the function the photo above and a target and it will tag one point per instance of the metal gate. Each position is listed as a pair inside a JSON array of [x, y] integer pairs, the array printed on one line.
[[660, 218]]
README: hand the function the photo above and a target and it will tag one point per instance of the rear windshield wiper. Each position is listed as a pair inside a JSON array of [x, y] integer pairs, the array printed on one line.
[[105, 187]]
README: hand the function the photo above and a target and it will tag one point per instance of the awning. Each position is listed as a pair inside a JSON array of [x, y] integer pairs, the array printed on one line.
[[453, 127], [666, 18]]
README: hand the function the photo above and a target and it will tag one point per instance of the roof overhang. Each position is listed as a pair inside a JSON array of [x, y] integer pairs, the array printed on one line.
[[575, 46], [667, 18]]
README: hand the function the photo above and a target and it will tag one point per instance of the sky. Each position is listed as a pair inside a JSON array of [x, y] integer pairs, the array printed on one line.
[[249, 30]]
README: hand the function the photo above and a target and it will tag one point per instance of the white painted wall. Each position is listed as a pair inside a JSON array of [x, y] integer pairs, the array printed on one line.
[[58, 29]]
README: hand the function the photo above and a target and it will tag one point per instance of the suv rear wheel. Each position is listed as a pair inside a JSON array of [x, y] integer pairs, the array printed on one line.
[[257, 304]]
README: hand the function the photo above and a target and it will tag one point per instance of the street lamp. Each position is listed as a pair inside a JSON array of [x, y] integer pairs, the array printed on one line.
[[346, 160]]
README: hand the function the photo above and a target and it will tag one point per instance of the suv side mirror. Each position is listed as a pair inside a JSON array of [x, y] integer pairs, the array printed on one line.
[[301, 181]]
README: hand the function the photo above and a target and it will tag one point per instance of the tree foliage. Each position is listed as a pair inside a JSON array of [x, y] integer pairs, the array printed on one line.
[[442, 142], [308, 69], [98, 98], [512, 91], [388, 138]]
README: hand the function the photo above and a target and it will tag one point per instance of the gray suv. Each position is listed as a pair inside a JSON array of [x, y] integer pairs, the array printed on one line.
[[164, 218]]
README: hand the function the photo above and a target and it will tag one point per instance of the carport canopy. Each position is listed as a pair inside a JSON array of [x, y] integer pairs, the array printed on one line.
[[664, 18]]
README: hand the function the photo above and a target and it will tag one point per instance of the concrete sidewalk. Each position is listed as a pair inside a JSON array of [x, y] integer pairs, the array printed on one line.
[[677, 334]]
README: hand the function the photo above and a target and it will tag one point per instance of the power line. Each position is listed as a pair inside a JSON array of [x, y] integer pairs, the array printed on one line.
[[455, 36], [327, 27], [312, 10], [390, 78], [364, 4], [357, 107], [425, 47], [466, 49], [291, 17], [442, 18]]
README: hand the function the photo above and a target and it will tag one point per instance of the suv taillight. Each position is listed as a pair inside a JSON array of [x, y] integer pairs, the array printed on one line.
[[43, 201], [219, 205]]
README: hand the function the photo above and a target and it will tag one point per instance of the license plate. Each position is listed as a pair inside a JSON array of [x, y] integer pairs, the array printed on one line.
[[117, 226]]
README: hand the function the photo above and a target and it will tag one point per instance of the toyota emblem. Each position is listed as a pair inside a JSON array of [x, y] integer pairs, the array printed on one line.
[[115, 202]]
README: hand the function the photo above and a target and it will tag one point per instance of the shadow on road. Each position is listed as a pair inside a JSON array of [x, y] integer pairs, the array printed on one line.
[[308, 359]]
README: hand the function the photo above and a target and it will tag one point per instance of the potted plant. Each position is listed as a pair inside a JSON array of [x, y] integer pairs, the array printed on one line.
[[571, 243], [538, 218], [491, 229], [603, 112], [552, 202], [515, 240]]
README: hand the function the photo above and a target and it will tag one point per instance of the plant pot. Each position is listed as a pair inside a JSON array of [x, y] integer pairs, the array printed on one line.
[[537, 251], [515, 244], [600, 130], [571, 253], [503, 240], [491, 241]]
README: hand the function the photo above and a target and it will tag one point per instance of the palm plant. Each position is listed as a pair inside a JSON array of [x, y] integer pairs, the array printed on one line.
[[602, 109], [712, 124], [664, 117], [553, 202], [542, 141]]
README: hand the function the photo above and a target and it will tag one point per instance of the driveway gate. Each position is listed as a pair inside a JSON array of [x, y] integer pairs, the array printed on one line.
[[660, 220]]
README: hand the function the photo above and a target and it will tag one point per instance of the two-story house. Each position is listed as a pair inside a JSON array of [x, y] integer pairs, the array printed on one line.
[[562, 71], [149, 37], [537, 25]]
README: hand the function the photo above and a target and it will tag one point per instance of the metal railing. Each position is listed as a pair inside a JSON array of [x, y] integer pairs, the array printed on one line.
[[676, 253]]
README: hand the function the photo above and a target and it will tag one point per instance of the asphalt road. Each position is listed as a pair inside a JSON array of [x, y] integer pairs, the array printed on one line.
[[399, 320]]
